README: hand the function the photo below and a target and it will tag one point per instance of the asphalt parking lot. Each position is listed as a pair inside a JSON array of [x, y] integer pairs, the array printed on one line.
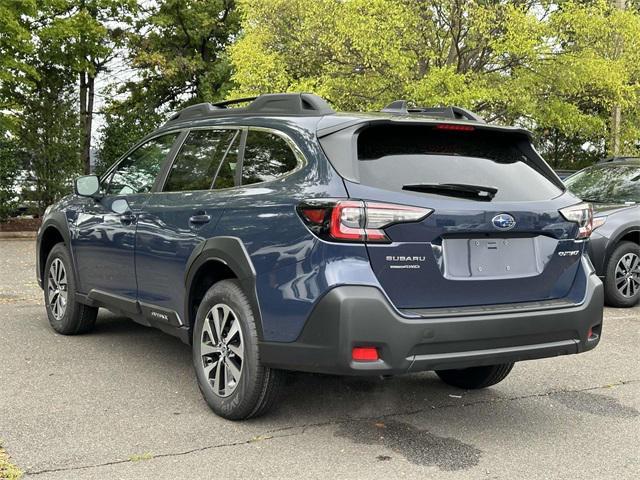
[[122, 403]]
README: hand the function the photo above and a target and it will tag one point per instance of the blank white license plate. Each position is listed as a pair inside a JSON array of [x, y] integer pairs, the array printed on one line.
[[491, 257]]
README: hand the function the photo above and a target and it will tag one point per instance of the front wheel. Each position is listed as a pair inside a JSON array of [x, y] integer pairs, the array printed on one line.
[[475, 377], [230, 376], [66, 315]]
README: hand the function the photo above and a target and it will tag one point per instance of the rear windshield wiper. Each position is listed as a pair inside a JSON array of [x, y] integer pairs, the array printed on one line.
[[459, 190]]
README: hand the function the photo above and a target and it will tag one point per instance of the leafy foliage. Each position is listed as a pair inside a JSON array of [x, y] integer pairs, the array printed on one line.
[[9, 167], [83, 36], [179, 57], [557, 68], [179, 52], [48, 138]]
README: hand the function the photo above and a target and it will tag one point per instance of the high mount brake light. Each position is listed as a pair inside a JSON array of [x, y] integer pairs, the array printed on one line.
[[455, 127], [356, 220], [582, 214]]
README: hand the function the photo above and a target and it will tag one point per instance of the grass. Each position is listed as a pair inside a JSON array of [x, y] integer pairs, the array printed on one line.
[[8, 471], [138, 458]]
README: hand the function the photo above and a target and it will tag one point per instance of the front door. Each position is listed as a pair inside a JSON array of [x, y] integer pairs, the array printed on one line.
[[103, 231]]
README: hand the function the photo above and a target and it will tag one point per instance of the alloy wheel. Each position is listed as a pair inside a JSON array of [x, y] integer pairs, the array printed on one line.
[[627, 275], [222, 349], [57, 288]]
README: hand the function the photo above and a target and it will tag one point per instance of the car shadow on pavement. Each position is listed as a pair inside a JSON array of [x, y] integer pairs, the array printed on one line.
[[315, 398]]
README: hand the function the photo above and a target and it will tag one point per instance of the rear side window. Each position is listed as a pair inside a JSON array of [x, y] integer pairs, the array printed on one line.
[[199, 159], [266, 157], [396, 156]]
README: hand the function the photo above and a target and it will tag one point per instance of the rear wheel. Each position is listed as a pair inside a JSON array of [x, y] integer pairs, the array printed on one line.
[[475, 377], [622, 279], [225, 355], [66, 316]]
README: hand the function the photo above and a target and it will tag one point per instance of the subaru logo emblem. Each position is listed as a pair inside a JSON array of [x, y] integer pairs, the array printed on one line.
[[504, 221]]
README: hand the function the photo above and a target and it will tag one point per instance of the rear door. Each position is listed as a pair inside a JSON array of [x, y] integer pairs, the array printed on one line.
[[496, 235], [180, 216]]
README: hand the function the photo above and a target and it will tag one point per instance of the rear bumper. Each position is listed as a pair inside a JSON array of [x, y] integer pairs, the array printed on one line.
[[351, 316]]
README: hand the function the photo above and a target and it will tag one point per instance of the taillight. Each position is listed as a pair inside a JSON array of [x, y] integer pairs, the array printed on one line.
[[582, 214], [356, 220]]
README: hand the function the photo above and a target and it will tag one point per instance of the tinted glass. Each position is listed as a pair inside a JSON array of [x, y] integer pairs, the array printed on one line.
[[607, 184], [266, 157], [391, 157], [197, 162], [137, 172], [227, 171]]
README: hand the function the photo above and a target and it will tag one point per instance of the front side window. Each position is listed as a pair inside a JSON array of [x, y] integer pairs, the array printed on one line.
[[199, 160], [606, 184], [266, 157], [137, 172]]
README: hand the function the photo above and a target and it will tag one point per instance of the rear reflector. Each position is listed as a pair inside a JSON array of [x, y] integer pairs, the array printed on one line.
[[364, 354]]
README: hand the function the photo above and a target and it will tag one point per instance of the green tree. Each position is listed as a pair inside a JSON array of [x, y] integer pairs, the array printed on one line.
[[180, 53], [179, 58], [15, 46], [83, 36], [557, 68], [48, 136], [9, 167], [15, 71]]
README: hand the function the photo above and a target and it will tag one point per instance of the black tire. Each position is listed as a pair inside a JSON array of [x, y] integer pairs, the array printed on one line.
[[76, 318], [258, 387], [475, 377], [612, 296]]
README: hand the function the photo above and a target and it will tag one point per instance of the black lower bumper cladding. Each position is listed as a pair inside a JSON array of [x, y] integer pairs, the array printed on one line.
[[352, 316]]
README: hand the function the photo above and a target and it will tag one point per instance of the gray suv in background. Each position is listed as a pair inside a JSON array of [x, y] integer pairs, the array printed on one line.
[[613, 188]]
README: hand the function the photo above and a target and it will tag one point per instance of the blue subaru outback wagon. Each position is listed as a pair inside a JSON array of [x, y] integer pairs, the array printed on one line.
[[285, 236]]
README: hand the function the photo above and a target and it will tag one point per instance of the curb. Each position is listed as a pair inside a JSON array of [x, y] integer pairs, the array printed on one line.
[[17, 235]]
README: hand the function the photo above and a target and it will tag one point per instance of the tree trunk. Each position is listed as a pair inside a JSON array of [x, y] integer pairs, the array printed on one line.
[[616, 114], [87, 93]]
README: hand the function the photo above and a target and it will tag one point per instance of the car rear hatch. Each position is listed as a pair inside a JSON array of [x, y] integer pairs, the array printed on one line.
[[494, 232]]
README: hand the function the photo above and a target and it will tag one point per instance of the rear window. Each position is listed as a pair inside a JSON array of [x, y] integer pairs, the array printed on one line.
[[395, 156]]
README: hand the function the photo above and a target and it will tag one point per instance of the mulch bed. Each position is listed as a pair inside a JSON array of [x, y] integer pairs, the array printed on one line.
[[21, 225]]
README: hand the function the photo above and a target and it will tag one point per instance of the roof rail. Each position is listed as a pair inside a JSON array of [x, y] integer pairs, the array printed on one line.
[[300, 104], [401, 107]]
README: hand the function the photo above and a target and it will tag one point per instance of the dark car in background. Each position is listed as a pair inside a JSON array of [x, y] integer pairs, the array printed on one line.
[[613, 188]]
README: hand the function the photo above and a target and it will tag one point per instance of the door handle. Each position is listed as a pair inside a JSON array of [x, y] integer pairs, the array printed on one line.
[[200, 219], [128, 218]]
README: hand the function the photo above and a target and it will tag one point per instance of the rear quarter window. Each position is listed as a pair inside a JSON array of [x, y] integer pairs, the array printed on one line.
[[267, 156], [392, 156]]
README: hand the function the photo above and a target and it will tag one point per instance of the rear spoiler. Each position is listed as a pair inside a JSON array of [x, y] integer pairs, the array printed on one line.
[[410, 119]]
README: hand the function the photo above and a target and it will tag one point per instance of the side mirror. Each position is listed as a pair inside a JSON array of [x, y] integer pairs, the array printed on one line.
[[87, 186]]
